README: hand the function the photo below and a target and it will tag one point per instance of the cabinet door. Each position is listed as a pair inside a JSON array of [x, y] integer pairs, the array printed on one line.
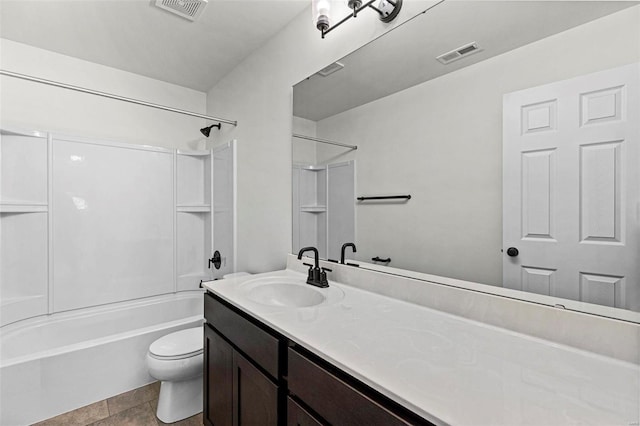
[[218, 380], [258, 345], [298, 416], [255, 397]]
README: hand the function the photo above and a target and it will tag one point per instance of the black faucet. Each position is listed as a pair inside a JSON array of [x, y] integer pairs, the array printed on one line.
[[317, 275], [344, 248]]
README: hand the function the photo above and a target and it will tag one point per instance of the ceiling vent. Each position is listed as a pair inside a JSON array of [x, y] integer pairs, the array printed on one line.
[[330, 69], [188, 9], [459, 53]]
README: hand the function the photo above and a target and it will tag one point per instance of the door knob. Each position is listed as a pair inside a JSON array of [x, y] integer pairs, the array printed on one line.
[[512, 252]]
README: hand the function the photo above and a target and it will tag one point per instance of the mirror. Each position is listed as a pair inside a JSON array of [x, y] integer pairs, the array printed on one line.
[[513, 126]]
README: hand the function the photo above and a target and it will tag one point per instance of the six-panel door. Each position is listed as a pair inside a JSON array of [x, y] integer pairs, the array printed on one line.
[[571, 188]]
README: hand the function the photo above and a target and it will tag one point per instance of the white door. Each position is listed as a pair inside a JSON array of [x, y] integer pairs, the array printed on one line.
[[570, 188], [224, 209]]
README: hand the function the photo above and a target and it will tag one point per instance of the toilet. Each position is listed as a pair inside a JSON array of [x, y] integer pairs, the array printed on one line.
[[176, 361]]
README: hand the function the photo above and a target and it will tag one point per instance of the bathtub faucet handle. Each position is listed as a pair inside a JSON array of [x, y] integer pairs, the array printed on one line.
[[216, 260]]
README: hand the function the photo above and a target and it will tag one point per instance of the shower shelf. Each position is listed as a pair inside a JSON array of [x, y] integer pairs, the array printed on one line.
[[25, 233], [194, 208], [200, 153], [313, 209], [23, 208], [314, 168], [193, 217]]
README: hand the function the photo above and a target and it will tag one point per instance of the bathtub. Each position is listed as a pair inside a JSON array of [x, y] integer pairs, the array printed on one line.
[[54, 364]]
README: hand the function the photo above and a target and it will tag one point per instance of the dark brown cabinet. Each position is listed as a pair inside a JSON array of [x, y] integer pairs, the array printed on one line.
[[330, 396], [255, 397], [218, 387], [254, 376], [236, 391], [298, 416]]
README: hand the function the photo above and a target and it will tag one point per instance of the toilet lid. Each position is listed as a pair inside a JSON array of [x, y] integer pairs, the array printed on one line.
[[181, 344]]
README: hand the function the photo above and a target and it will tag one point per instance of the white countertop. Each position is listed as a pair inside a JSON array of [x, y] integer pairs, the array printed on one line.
[[448, 369]]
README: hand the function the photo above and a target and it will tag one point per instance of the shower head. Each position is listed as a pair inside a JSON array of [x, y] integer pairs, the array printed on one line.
[[207, 130]]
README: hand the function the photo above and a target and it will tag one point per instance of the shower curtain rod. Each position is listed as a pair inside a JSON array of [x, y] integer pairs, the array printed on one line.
[[111, 96], [310, 138]]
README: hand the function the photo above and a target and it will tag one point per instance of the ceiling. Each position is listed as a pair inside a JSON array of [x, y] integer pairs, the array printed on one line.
[[135, 36], [406, 55]]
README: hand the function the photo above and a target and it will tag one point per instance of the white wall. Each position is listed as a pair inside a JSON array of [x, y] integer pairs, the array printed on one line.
[[258, 93], [32, 105], [444, 147]]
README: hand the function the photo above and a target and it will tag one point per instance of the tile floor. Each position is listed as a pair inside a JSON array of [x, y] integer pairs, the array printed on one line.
[[133, 408]]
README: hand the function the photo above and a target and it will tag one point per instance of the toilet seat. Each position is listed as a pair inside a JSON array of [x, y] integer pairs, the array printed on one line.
[[178, 345]]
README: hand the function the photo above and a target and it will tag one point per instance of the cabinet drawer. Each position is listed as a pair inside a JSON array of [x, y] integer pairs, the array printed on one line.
[[332, 398], [255, 342]]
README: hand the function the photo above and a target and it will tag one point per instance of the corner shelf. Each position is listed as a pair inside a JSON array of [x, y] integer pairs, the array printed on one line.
[[313, 168], [193, 179], [197, 153], [23, 208], [194, 208], [193, 217], [25, 224], [313, 209]]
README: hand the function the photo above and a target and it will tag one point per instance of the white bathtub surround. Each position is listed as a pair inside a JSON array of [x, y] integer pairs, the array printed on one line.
[[54, 364], [448, 369], [90, 222], [598, 334]]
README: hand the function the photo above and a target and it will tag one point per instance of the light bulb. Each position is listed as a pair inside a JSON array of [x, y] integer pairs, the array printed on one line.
[[321, 14]]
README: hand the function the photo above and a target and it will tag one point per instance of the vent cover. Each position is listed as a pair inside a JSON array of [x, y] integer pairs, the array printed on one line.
[[188, 9], [458, 53], [330, 69]]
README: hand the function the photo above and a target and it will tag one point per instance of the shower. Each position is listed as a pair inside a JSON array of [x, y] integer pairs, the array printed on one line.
[[207, 130]]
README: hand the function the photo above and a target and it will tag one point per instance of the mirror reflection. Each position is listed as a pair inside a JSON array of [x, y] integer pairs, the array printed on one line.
[[514, 128]]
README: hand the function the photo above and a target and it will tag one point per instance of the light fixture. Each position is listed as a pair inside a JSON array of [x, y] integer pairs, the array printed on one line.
[[387, 9]]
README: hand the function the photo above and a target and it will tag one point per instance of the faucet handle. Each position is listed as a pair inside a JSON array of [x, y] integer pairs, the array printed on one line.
[[323, 277], [310, 273]]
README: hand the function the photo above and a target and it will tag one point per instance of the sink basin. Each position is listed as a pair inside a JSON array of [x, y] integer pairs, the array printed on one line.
[[288, 292], [282, 294]]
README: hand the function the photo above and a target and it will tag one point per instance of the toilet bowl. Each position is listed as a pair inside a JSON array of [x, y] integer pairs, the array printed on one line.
[[176, 361]]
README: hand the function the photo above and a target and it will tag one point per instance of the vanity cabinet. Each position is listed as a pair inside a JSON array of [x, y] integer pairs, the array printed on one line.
[[255, 376], [236, 390]]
